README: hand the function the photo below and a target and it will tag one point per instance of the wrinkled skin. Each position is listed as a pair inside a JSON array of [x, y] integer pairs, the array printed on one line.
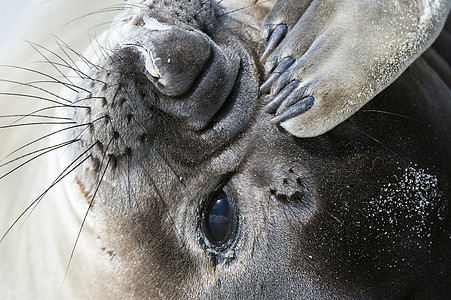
[[175, 113]]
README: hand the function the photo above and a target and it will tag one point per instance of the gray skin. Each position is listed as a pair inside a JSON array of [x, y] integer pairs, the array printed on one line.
[[344, 52], [359, 212]]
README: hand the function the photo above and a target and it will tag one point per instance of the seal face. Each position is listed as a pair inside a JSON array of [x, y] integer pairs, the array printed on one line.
[[193, 193]]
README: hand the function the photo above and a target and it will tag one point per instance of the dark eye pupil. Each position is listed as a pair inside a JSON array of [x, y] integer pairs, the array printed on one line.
[[218, 220]]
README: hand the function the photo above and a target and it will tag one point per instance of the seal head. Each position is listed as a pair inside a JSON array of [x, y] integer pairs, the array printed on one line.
[[194, 194]]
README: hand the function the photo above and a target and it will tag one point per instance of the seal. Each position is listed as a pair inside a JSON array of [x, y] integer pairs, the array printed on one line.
[[168, 180]]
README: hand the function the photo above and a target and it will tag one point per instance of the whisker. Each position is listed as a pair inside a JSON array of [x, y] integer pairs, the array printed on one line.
[[392, 114], [84, 220], [88, 63], [331, 215], [161, 159], [317, 203], [101, 48], [91, 43], [114, 8], [51, 134], [79, 73], [111, 23], [70, 86], [242, 8], [34, 116], [33, 97], [36, 46], [91, 203], [160, 196], [34, 87], [37, 123], [129, 180], [52, 148], [57, 40], [66, 84], [89, 98], [367, 135], [60, 177]]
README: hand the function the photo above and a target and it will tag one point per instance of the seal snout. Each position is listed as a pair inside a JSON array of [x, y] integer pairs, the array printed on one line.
[[192, 75], [174, 59]]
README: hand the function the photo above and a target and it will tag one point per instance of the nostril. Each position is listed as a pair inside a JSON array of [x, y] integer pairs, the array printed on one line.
[[149, 61], [172, 58]]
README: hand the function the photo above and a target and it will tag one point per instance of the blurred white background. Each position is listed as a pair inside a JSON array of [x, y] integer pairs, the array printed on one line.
[[10, 13], [38, 20]]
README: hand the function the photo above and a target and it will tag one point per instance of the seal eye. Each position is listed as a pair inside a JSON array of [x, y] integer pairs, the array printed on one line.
[[218, 222]]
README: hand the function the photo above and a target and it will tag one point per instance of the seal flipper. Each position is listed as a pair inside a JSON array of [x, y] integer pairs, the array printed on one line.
[[345, 61]]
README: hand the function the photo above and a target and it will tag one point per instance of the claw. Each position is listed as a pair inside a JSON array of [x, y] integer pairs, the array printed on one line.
[[272, 106], [292, 98], [277, 35], [253, 1], [279, 70], [294, 110]]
